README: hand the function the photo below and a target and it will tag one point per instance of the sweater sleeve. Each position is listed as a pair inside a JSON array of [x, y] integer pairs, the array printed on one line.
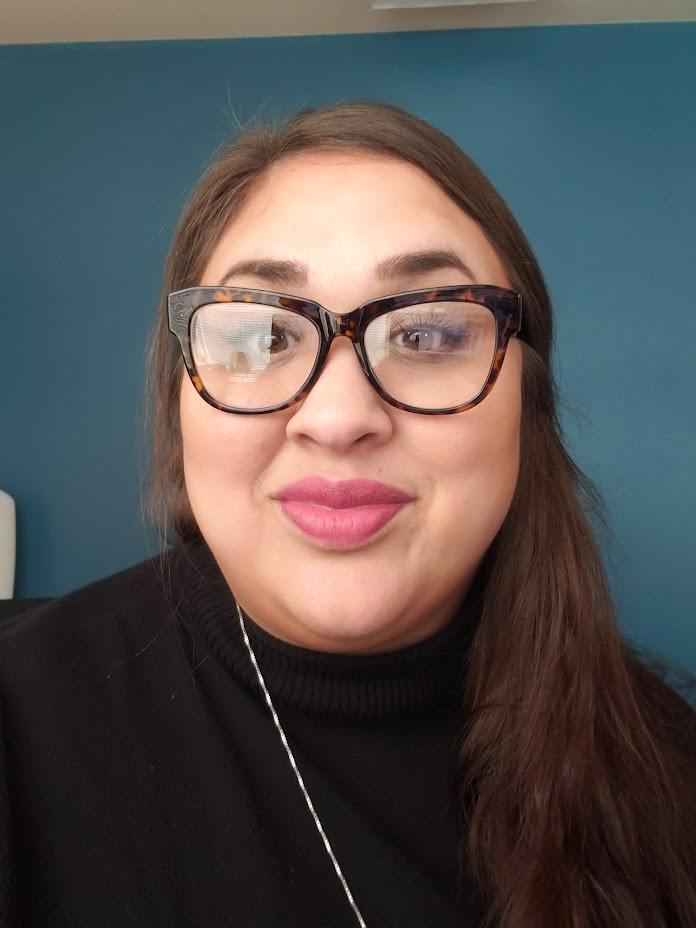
[[8, 900]]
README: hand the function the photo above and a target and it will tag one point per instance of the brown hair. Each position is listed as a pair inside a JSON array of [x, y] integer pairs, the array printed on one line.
[[576, 758]]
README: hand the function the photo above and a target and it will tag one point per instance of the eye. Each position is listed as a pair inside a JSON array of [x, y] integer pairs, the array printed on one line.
[[273, 341], [423, 335], [280, 338]]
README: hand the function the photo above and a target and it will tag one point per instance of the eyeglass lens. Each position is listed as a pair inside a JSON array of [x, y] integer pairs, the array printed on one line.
[[429, 356]]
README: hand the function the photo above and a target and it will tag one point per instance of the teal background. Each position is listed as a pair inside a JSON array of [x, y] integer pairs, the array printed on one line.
[[588, 132]]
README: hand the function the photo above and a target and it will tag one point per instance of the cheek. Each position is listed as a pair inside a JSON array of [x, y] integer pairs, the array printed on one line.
[[477, 457], [484, 461], [222, 453], [496, 427]]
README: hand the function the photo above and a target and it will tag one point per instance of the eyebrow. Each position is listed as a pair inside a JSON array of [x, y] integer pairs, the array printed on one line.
[[296, 273]]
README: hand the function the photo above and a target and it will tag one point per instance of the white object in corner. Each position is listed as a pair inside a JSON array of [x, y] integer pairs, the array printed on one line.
[[8, 545]]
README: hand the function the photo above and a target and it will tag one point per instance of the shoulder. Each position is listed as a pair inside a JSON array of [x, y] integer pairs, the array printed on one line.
[[73, 630]]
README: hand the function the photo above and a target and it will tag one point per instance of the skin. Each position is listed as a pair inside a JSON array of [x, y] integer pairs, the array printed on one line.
[[341, 212]]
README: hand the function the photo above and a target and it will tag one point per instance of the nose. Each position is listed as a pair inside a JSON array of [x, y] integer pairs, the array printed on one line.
[[342, 408]]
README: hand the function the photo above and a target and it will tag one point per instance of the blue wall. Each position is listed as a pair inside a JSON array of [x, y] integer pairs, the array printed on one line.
[[590, 134]]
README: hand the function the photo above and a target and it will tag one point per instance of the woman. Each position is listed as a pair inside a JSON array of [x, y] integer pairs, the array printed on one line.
[[378, 678]]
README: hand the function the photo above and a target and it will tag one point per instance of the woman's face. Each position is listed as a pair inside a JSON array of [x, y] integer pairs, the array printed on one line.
[[341, 213]]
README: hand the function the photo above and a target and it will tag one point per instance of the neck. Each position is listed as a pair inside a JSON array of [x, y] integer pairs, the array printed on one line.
[[418, 677]]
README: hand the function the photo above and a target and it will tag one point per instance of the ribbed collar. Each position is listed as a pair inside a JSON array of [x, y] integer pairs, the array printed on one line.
[[410, 681]]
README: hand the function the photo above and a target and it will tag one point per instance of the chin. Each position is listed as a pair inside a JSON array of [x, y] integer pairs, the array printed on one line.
[[349, 635]]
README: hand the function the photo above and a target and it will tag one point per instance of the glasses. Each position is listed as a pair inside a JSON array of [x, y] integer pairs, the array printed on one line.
[[433, 352]]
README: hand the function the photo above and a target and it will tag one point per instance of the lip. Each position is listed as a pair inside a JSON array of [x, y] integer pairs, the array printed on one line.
[[341, 494], [341, 513]]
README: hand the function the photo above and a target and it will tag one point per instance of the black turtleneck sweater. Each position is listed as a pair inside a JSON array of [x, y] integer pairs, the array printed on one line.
[[143, 782]]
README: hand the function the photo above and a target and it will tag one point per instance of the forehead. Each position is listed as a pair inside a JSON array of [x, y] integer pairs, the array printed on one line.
[[329, 207], [352, 178]]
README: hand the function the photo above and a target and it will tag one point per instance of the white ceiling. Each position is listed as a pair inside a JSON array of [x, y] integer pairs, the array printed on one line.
[[31, 21]]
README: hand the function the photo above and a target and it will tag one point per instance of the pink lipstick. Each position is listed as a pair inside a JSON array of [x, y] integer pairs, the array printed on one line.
[[341, 514]]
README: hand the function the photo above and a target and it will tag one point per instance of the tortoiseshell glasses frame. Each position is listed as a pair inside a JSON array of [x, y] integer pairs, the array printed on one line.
[[504, 304]]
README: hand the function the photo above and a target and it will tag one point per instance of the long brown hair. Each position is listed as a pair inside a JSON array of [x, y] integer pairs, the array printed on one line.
[[577, 768]]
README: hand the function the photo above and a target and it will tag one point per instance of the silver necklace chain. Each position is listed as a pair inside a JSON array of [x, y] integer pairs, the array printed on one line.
[[293, 764]]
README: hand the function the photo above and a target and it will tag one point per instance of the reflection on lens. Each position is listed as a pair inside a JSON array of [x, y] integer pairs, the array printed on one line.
[[251, 355], [433, 355]]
